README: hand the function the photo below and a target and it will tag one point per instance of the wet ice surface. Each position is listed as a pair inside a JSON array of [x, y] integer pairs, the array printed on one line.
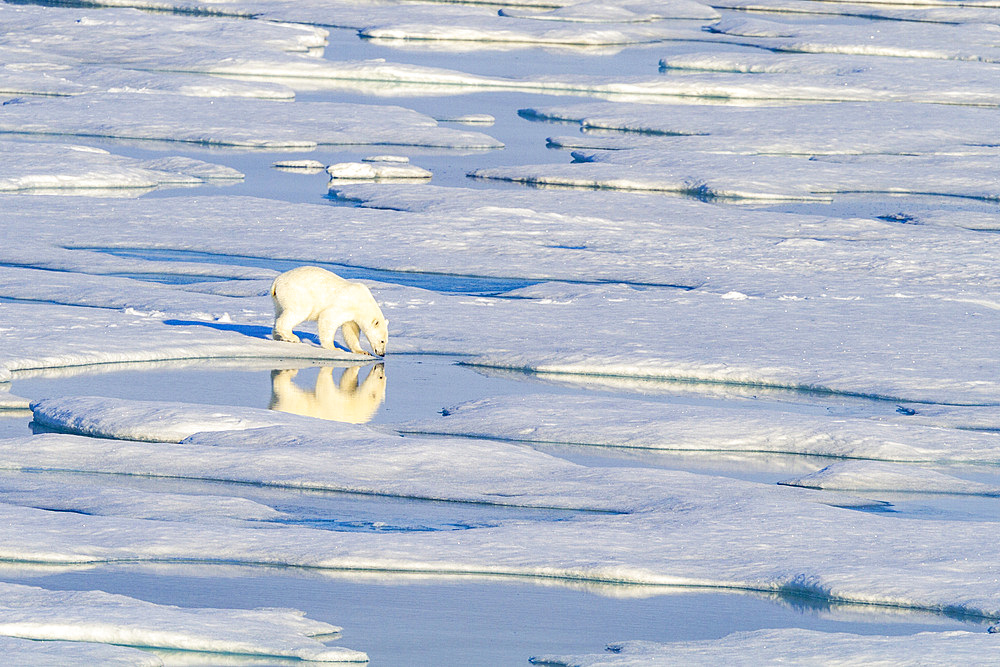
[[678, 314]]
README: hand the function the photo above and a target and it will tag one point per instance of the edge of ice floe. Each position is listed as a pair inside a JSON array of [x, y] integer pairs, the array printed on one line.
[[667, 374]]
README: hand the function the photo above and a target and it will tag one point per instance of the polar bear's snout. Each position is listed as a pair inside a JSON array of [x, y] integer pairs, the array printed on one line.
[[378, 336]]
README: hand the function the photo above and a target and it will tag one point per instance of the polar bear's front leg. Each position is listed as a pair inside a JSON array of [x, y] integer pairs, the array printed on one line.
[[352, 336], [328, 323]]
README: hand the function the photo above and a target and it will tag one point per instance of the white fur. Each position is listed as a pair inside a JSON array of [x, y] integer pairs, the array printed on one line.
[[315, 294]]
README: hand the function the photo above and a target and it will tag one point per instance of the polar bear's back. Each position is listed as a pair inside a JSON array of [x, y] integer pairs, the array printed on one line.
[[314, 288]]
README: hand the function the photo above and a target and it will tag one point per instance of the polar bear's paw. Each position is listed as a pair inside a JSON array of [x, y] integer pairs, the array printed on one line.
[[287, 337]]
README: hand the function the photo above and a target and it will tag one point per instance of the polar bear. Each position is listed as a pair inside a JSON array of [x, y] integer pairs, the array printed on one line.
[[315, 294]]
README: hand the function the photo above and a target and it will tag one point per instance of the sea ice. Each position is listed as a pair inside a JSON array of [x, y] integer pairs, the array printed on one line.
[[901, 39], [52, 79], [611, 422], [868, 476], [765, 177], [86, 497], [122, 36], [931, 11], [303, 166], [577, 237], [234, 122], [843, 288], [34, 167], [805, 130], [599, 11], [149, 421], [481, 31], [792, 646], [70, 653], [98, 617], [376, 171], [74, 336], [656, 527]]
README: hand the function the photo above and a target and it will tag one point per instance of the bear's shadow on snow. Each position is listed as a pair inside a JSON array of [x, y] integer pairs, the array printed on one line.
[[250, 330]]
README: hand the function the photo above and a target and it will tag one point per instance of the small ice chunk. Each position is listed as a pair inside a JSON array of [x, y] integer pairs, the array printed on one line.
[[470, 119], [386, 158], [377, 171], [300, 166]]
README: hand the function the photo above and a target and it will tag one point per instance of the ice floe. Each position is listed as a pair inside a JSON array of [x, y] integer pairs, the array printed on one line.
[[52, 653], [254, 124], [578, 237], [765, 177], [792, 645], [616, 12], [88, 498], [484, 30], [148, 421], [377, 170], [608, 422], [122, 36], [44, 167], [40, 79], [931, 12], [658, 520], [856, 476], [97, 617], [75, 336], [901, 39], [303, 166], [848, 337], [804, 130]]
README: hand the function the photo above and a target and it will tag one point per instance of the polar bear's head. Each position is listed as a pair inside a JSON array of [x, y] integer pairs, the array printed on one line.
[[377, 332]]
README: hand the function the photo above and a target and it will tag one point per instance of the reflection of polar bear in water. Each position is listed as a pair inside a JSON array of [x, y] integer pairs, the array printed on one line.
[[315, 294], [342, 401]]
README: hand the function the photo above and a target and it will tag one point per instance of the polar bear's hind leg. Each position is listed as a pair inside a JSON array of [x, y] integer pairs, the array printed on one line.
[[283, 323]]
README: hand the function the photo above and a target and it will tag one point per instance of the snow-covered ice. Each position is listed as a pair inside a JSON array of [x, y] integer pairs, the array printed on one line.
[[243, 123], [920, 275], [653, 425], [628, 507], [765, 177], [836, 329], [900, 39], [72, 168], [51, 653], [870, 476], [96, 617], [788, 645], [805, 130], [377, 170]]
